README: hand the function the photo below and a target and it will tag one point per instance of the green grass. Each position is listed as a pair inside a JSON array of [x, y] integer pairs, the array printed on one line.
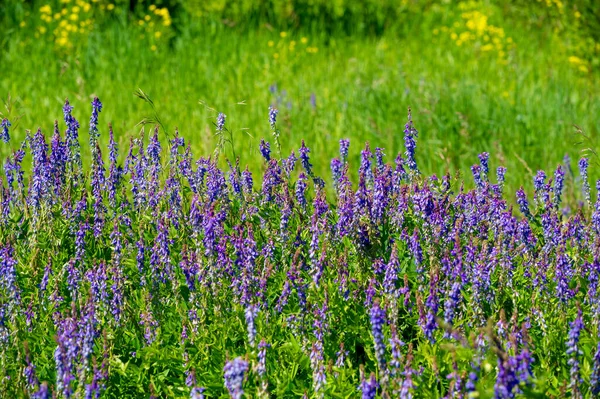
[[463, 102]]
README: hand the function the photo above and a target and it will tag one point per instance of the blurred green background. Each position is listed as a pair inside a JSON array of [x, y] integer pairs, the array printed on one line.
[[518, 79]]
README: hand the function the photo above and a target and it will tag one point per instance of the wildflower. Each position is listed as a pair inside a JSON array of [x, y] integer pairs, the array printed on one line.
[[484, 162], [559, 180], [273, 116], [523, 203], [265, 150], [4, 134], [377, 316], [595, 377], [305, 159], [574, 352], [585, 185], [368, 387], [234, 372], [96, 108], [344, 145], [221, 121], [410, 135]]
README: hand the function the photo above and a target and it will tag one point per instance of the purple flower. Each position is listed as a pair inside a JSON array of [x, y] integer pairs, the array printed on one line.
[[96, 108], [273, 116], [305, 159], [559, 181], [247, 183], [585, 184], [500, 175], [368, 387], [410, 135], [379, 159], [43, 392], [337, 169], [4, 133], [301, 190], [197, 393], [595, 377], [221, 121], [250, 314], [233, 374], [344, 145], [72, 137], [265, 149], [574, 352], [523, 203], [377, 317], [484, 158], [11, 293]]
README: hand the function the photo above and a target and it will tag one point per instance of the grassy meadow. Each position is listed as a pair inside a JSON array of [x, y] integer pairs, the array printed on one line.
[[205, 219], [521, 100]]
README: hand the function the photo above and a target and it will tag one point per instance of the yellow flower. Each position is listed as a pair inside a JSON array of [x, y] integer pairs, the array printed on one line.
[[304, 40], [157, 34], [42, 29], [575, 60], [270, 43], [276, 55], [86, 6], [583, 68], [46, 9], [110, 7], [141, 22], [153, 48], [283, 34], [64, 11], [152, 7], [167, 22], [147, 17], [436, 31], [75, 9], [487, 47], [62, 41], [74, 17], [23, 24], [57, 15]]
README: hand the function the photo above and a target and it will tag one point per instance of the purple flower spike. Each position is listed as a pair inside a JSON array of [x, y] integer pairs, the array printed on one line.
[[234, 372], [4, 133], [377, 316]]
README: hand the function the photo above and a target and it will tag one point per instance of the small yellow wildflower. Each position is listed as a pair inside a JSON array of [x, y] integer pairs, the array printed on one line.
[[147, 17], [575, 60], [583, 69], [304, 40], [23, 24], [276, 55], [153, 48], [141, 22], [157, 34], [46, 9], [64, 11], [152, 7], [75, 9], [283, 34], [271, 43], [110, 7]]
